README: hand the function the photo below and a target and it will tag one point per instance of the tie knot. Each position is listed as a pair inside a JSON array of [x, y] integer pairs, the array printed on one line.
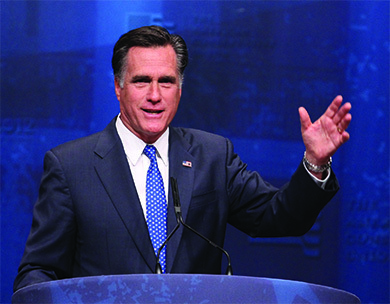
[[150, 152]]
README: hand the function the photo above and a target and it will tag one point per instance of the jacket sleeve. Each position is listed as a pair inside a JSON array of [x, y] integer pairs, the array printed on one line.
[[50, 245], [261, 210]]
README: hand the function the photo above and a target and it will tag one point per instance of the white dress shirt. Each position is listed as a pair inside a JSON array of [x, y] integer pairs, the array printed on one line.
[[139, 162]]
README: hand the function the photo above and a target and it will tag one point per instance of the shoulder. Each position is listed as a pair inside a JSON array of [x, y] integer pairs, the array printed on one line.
[[199, 137], [77, 146], [201, 144], [88, 144]]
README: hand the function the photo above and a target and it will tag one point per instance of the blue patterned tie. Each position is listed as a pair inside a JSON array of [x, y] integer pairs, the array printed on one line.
[[156, 205]]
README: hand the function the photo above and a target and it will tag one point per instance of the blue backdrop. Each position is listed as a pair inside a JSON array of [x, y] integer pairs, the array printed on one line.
[[252, 64]]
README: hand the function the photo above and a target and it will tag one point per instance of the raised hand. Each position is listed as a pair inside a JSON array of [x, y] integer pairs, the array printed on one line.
[[323, 137]]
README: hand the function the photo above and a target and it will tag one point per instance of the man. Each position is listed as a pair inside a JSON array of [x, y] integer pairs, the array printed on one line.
[[93, 214]]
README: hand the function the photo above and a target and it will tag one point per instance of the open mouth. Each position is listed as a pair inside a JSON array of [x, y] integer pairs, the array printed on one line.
[[152, 111]]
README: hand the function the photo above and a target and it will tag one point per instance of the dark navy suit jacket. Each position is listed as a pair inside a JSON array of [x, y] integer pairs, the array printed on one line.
[[88, 219]]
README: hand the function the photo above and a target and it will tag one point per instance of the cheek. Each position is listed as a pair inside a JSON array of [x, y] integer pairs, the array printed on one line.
[[129, 99], [172, 110], [175, 97]]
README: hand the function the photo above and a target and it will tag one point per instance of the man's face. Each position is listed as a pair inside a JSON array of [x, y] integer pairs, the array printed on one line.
[[151, 91]]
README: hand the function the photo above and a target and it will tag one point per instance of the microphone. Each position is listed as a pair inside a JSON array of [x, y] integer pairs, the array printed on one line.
[[179, 218], [158, 269]]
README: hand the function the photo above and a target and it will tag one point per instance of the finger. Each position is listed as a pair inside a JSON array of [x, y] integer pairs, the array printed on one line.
[[344, 137], [305, 118], [334, 106], [342, 113], [344, 123]]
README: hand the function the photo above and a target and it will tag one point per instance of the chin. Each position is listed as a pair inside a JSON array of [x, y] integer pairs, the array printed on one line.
[[154, 133], [155, 129]]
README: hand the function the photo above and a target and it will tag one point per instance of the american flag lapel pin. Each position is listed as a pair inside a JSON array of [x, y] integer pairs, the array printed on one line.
[[187, 163]]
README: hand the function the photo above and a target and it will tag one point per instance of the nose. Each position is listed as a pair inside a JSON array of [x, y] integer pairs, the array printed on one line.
[[154, 94]]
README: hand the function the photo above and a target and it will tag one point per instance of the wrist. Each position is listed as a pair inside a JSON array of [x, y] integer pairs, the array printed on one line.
[[316, 168]]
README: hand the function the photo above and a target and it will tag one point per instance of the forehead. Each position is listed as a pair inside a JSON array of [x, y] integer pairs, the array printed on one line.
[[143, 59]]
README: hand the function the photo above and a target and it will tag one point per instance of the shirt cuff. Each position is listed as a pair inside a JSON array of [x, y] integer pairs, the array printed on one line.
[[319, 182]]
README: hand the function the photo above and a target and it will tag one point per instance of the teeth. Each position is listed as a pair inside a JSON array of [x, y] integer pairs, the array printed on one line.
[[153, 111]]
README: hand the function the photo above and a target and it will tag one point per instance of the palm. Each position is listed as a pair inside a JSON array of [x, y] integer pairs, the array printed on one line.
[[323, 137]]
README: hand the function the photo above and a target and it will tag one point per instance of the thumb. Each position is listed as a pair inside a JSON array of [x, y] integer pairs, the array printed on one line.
[[305, 118]]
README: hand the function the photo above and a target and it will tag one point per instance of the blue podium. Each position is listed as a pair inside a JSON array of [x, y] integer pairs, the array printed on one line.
[[179, 288]]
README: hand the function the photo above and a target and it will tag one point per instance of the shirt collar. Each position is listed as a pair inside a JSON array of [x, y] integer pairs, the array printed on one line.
[[134, 146]]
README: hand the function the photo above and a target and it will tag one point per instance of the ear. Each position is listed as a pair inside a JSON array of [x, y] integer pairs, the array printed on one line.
[[117, 89]]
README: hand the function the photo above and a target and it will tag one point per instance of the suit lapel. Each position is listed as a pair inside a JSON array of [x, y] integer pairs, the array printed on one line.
[[184, 174], [114, 172]]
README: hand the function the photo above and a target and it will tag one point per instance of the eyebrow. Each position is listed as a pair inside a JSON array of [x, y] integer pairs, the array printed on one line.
[[167, 79], [141, 78], [145, 78]]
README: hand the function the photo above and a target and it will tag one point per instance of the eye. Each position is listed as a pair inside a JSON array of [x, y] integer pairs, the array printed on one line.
[[140, 84], [141, 81], [167, 82]]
